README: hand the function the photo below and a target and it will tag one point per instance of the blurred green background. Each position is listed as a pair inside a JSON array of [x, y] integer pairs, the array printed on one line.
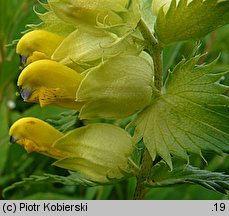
[[16, 164]]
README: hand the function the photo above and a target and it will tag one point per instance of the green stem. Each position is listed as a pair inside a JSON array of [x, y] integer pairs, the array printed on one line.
[[157, 59], [155, 50], [146, 33], [143, 175]]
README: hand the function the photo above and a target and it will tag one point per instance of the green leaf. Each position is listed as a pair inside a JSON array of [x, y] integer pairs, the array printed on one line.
[[191, 116], [147, 14], [186, 174], [36, 111], [73, 179], [50, 196], [65, 121], [192, 21]]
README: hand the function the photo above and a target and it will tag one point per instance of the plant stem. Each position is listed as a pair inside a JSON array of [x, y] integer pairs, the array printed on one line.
[[143, 175], [157, 59], [146, 33], [155, 50]]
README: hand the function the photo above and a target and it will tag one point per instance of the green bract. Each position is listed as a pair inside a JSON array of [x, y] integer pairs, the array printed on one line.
[[117, 88], [190, 21], [50, 22], [120, 15], [89, 46], [98, 151], [90, 39], [191, 116]]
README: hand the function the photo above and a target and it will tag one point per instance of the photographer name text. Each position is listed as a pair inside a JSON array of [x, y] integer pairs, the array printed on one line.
[[13, 207]]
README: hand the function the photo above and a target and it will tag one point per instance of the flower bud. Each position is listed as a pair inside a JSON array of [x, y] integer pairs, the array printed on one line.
[[50, 83], [37, 44]]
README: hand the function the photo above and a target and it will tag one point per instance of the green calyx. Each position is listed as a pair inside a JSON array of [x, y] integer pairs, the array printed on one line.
[[117, 88], [99, 152]]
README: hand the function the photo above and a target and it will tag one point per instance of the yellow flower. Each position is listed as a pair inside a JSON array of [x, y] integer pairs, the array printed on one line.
[[99, 151], [37, 44], [50, 83], [117, 88], [35, 136]]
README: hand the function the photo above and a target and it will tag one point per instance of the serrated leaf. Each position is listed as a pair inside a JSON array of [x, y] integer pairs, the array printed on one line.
[[191, 116], [186, 174], [51, 196], [186, 22], [73, 179], [66, 121]]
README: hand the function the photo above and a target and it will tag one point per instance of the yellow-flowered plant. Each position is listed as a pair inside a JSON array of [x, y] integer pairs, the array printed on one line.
[[62, 86], [104, 59], [94, 66], [98, 151]]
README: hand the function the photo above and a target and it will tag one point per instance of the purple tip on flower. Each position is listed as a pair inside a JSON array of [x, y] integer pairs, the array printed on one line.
[[25, 94], [12, 140], [22, 59]]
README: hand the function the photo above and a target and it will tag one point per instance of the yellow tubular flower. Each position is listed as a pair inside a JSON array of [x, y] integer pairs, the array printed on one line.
[[50, 83], [37, 44], [100, 152], [36, 136]]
